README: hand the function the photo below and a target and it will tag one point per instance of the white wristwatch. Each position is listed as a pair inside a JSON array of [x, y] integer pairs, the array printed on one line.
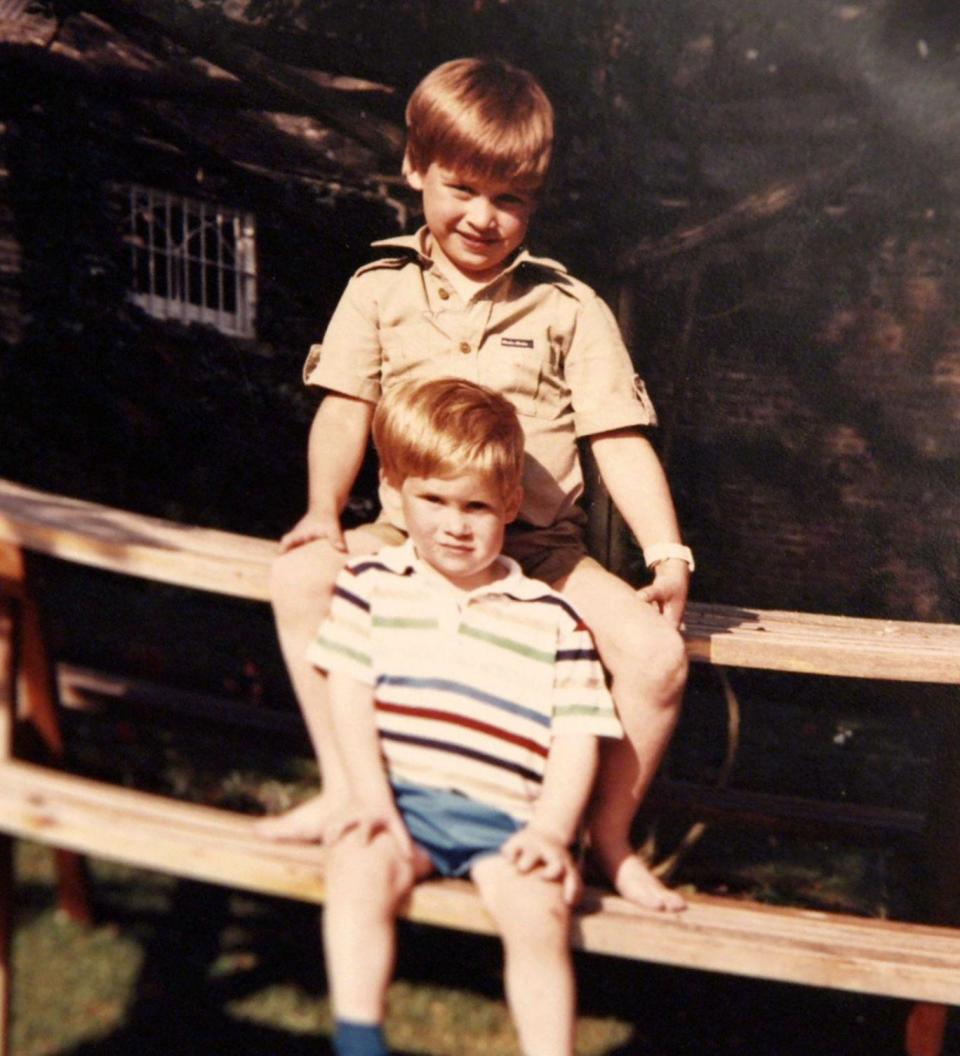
[[657, 552]]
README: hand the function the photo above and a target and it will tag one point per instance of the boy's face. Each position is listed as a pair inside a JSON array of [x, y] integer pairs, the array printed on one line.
[[477, 223], [457, 524]]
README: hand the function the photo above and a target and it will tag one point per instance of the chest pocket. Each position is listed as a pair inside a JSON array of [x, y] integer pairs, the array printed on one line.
[[420, 351], [527, 370]]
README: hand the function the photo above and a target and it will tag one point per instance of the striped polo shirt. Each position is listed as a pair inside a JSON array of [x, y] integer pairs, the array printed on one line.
[[469, 687]]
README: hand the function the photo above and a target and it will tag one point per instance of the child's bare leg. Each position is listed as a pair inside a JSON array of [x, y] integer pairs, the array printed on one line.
[[647, 661], [301, 586], [534, 923], [366, 882]]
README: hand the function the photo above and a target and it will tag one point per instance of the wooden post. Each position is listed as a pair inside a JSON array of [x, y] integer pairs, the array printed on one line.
[[926, 1028], [926, 1025], [35, 691], [34, 700]]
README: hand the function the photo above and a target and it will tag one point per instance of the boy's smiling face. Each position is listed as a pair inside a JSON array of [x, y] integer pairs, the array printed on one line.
[[457, 524], [476, 222]]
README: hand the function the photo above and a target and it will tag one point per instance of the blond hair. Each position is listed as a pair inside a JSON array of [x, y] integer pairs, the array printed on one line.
[[446, 427], [482, 117]]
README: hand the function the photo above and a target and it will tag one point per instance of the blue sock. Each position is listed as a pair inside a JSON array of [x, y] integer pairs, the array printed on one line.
[[358, 1039]]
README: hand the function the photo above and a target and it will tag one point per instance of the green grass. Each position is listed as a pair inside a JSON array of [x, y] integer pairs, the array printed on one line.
[[197, 969]]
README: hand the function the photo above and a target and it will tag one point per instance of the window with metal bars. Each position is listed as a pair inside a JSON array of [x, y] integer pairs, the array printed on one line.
[[192, 261]]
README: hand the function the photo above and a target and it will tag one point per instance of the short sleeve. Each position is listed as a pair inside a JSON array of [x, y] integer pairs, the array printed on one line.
[[606, 391], [582, 702], [343, 640], [348, 360]]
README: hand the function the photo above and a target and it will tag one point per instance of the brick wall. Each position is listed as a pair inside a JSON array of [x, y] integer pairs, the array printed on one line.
[[813, 435]]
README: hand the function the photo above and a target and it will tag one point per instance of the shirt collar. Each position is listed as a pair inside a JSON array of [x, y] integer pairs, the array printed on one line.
[[418, 244], [403, 560]]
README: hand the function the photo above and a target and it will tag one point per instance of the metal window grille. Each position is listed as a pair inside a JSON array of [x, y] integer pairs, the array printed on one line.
[[192, 261]]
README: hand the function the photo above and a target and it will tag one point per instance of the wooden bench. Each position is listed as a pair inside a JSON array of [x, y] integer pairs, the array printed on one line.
[[75, 814]]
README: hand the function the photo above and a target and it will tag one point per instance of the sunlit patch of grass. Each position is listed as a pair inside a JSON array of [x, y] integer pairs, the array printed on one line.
[[72, 983], [428, 1020], [286, 1007], [437, 1021]]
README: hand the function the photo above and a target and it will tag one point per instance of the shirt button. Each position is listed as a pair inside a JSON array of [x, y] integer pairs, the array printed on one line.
[[464, 347], [443, 294]]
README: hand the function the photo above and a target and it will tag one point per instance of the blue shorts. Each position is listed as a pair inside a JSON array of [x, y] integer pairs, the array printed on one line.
[[455, 831]]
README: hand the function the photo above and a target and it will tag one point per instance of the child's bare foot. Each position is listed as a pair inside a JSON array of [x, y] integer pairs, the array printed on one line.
[[633, 880], [303, 824]]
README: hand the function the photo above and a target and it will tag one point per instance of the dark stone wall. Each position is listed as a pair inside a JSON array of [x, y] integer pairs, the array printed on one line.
[[812, 431]]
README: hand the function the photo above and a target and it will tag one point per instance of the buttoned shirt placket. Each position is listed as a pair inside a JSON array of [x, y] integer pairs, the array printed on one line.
[[464, 324], [451, 603]]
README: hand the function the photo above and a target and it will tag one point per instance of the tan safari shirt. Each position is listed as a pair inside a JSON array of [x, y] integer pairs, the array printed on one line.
[[534, 333]]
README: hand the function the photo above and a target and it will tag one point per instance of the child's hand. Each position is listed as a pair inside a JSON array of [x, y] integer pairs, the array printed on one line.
[[668, 591], [313, 526], [366, 821], [534, 850]]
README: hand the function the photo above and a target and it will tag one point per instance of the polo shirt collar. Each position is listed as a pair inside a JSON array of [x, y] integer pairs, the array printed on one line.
[[403, 560], [418, 245]]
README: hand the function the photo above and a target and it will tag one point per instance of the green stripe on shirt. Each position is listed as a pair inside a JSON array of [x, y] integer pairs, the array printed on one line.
[[509, 643], [344, 650], [566, 710], [409, 623]]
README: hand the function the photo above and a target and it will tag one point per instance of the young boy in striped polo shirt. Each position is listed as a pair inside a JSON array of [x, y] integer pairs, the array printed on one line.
[[466, 701]]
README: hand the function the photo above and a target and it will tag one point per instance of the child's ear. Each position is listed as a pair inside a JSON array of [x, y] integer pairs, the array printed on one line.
[[512, 507], [412, 176]]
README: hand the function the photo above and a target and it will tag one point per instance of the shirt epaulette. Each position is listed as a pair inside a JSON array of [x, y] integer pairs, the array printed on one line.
[[397, 253], [394, 262], [554, 273]]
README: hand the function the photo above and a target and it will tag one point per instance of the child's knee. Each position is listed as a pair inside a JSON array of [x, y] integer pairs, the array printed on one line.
[[537, 918], [546, 927], [301, 580], [650, 655], [367, 876]]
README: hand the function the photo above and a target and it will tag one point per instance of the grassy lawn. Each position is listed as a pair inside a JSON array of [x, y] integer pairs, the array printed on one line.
[[181, 968]]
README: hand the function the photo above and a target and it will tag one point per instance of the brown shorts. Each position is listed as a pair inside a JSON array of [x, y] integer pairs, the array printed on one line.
[[548, 554]]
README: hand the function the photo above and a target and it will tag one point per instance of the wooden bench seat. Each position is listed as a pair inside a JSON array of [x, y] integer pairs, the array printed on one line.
[[881, 957], [717, 934]]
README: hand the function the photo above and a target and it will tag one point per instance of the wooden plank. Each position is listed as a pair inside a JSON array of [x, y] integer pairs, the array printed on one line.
[[781, 813], [130, 543], [814, 643], [237, 565], [820, 949], [84, 688]]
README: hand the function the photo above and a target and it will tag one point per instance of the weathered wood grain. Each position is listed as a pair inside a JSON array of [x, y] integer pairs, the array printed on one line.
[[238, 565]]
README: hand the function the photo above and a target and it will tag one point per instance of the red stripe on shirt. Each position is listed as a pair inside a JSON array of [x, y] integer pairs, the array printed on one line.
[[462, 720]]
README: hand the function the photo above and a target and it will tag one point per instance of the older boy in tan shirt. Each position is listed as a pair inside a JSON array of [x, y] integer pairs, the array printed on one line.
[[463, 298]]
